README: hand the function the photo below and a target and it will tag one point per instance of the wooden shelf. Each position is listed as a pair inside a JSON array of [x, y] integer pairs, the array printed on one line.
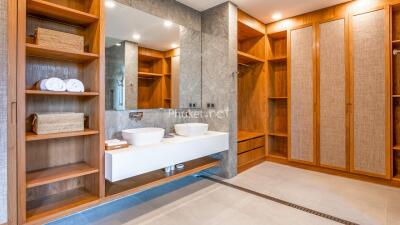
[[246, 135], [55, 93], [396, 147], [278, 35], [396, 42], [244, 58], [62, 203], [278, 59], [55, 174], [167, 99], [396, 178], [277, 155], [60, 13], [156, 178], [396, 96], [247, 32], [277, 134], [277, 98], [152, 75], [30, 136], [43, 52]]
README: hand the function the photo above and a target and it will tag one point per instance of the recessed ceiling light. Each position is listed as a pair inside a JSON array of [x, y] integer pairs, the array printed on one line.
[[136, 37], [118, 44], [110, 4], [277, 16], [167, 23], [174, 45]]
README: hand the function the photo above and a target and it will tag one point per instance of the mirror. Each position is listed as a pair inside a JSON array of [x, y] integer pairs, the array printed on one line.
[[151, 63]]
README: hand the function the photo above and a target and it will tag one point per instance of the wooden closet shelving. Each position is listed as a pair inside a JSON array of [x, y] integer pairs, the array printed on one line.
[[278, 95], [251, 91], [60, 173]]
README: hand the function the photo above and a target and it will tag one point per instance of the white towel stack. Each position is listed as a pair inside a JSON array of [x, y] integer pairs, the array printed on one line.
[[56, 84]]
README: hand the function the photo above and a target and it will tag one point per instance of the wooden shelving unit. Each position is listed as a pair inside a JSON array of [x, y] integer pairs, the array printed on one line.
[[278, 95], [395, 107], [59, 173], [251, 91], [153, 75]]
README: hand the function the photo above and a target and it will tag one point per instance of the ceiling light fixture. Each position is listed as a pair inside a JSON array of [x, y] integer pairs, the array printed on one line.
[[118, 44], [110, 4], [167, 23], [174, 45], [136, 37], [277, 16]]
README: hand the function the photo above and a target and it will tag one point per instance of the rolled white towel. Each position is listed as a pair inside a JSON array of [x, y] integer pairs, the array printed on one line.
[[51, 84], [74, 85]]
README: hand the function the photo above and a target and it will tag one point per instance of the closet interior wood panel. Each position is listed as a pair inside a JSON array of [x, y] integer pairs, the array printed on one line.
[[302, 95], [332, 94], [369, 153]]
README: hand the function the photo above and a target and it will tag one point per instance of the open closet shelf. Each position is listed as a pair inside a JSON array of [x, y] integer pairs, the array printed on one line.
[[247, 32], [43, 52], [396, 147], [60, 13], [56, 93], [396, 42], [156, 178], [145, 74], [244, 58], [30, 136], [277, 98], [247, 135], [277, 134], [55, 174], [61, 203], [278, 59]]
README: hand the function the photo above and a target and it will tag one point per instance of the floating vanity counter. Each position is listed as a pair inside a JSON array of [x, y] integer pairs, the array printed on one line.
[[134, 161]]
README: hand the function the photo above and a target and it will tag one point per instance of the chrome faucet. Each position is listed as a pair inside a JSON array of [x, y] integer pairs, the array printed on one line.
[[136, 116]]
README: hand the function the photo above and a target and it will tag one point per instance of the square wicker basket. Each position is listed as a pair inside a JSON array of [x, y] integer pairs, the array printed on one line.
[[59, 40], [51, 123]]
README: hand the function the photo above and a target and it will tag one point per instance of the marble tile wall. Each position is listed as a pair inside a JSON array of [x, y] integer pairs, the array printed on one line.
[[3, 111], [219, 65]]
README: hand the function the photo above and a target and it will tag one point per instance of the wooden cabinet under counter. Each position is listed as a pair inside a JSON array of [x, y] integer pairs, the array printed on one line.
[[251, 149]]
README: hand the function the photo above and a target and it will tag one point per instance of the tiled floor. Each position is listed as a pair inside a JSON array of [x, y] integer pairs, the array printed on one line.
[[194, 200]]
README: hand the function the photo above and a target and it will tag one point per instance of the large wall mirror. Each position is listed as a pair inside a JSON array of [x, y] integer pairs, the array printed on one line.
[[151, 63]]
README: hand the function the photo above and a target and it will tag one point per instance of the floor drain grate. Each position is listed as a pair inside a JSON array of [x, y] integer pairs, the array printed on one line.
[[277, 200]]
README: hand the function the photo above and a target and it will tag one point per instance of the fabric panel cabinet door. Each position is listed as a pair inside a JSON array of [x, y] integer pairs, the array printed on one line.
[[369, 94], [301, 95], [332, 93]]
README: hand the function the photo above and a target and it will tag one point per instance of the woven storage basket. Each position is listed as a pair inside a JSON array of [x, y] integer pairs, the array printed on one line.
[[51, 123], [59, 40]]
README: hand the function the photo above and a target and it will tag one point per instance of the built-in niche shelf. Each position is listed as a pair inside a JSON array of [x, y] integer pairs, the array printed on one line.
[[150, 75], [60, 13], [59, 54], [278, 59], [277, 134], [30, 136]]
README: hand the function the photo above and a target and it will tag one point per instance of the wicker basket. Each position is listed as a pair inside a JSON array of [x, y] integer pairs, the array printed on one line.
[[51, 123], [59, 40]]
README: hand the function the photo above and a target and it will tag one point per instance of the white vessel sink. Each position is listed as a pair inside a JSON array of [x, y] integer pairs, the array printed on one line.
[[191, 129], [143, 136]]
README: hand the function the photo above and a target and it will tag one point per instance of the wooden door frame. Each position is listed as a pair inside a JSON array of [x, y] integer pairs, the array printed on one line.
[[387, 84], [289, 90], [11, 113], [345, 18]]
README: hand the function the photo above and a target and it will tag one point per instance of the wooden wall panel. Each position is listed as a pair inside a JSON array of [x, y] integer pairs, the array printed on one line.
[[301, 95], [369, 93], [332, 94]]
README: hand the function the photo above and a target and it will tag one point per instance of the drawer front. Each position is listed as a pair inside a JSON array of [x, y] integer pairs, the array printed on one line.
[[251, 156], [251, 144]]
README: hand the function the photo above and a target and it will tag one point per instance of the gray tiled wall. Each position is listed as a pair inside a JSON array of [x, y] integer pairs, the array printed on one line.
[[219, 86], [3, 111]]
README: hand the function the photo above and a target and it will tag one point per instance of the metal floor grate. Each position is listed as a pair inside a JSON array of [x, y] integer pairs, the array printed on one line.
[[292, 205]]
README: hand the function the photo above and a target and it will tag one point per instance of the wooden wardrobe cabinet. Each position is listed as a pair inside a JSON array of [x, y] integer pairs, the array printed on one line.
[[339, 93]]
